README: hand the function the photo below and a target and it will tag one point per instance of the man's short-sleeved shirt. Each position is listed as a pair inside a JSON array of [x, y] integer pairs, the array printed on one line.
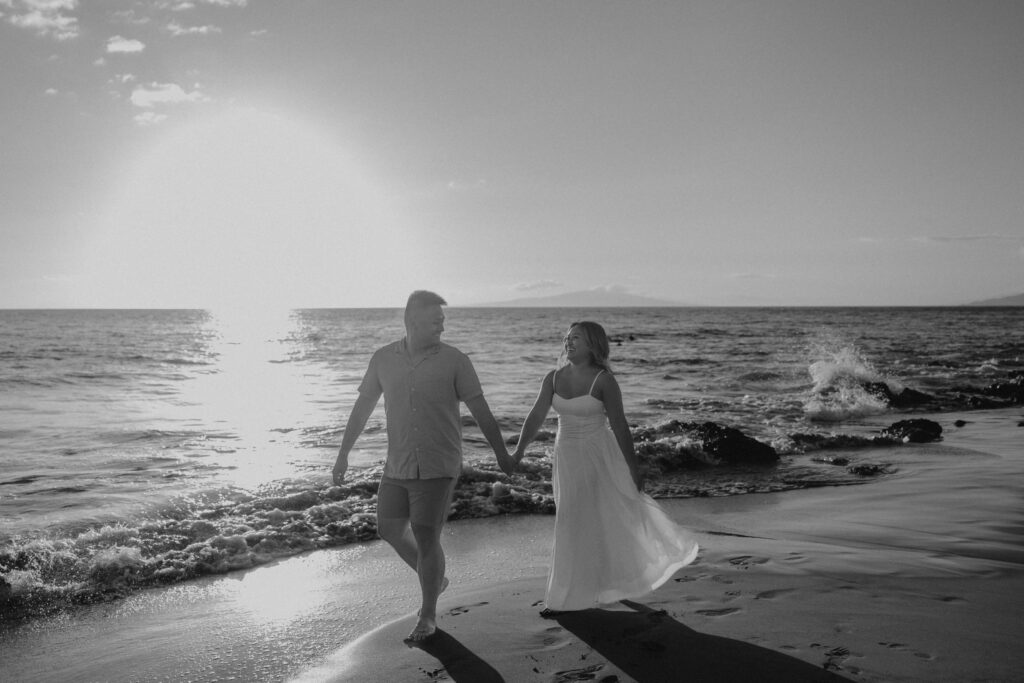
[[421, 402]]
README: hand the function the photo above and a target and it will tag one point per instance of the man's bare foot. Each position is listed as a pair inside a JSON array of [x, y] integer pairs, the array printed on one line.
[[424, 629]]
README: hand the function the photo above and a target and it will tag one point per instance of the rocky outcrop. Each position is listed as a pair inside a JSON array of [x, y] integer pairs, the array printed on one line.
[[680, 445], [907, 398], [999, 394], [913, 431]]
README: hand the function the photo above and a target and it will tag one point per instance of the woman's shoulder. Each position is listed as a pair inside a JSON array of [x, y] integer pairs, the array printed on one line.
[[603, 379]]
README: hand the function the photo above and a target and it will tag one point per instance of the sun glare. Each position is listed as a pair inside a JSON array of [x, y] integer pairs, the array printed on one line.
[[243, 210]]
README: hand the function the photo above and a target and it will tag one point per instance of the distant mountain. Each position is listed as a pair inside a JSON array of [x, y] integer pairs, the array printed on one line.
[[1016, 300], [589, 298]]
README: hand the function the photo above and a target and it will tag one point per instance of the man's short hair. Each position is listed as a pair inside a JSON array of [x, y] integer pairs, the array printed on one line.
[[422, 298]]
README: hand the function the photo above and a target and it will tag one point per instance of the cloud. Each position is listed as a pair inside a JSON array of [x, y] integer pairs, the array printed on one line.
[[44, 17], [51, 91], [151, 95], [186, 5], [176, 30], [537, 285], [117, 44], [149, 118], [128, 16]]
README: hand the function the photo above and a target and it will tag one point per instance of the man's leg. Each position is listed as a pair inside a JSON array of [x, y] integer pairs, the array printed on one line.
[[431, 563], [429, 502], [410, 518], [393, 521]]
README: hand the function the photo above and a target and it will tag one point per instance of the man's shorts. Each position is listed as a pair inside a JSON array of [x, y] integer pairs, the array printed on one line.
[[424, 502]]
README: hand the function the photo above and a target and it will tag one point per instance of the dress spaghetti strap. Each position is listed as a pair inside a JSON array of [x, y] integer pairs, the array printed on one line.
[[594, 383]]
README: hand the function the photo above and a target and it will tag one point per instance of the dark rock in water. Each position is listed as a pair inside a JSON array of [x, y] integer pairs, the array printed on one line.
[[832, 460], [716, 444], [1008, 392], [810, 442], [913, 431], [5, 590], [907, 398], [1011, 390], [868, 469], [960, 423], [734, 446]]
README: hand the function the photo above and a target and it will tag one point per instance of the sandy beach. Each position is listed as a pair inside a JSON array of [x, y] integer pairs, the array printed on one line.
[[751, 608], [804, 585]]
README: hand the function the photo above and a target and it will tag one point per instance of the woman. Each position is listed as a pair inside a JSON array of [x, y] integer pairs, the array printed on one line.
[[612, 541]]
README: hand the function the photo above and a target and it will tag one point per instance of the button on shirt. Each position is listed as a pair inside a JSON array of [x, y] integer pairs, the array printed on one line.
[[421, 402]]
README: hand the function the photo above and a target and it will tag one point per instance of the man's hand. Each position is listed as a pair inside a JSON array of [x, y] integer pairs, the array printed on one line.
[[340, 467], [506, 462]]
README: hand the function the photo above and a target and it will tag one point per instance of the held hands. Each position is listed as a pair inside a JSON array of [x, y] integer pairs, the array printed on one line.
[[506, 462], [340, 467]]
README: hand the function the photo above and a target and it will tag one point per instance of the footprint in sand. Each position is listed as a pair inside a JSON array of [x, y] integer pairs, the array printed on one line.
[[834, 657], [772, 594], [456, 611], [906, 648], [718, 612], [747, 561], [553, 638], [587, 673]]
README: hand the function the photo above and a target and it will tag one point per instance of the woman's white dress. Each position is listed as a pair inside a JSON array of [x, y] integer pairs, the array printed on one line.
[[612, 542]]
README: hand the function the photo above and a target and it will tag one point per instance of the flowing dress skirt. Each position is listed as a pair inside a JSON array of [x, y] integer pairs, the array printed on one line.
[[611, 541]]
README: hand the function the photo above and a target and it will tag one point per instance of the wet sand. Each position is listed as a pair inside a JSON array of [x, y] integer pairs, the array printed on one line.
[[909, 578], [751, 608]]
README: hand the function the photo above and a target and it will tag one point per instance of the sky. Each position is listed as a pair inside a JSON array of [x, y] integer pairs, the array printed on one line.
[[322, 153]]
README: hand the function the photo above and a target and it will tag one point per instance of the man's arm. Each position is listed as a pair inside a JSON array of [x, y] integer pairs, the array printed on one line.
[[492, 432], [361, 412]]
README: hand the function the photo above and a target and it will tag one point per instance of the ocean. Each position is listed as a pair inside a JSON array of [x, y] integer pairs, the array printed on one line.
[[143, 448]]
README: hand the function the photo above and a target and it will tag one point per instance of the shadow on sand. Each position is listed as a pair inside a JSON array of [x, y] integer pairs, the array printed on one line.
[[649, 645], [461, 664]]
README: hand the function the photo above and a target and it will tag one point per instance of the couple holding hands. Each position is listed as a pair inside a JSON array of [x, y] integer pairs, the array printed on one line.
[[612, 541]]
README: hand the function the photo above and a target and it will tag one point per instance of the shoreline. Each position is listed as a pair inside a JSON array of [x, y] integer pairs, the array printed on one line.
[[757, 604], [732, 617], [897, 580], [756, 598]]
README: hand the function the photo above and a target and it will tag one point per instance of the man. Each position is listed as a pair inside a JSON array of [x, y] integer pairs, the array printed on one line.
[[422, 380]]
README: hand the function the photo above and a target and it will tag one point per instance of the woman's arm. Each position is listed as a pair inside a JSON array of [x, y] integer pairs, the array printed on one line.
[[537, 415], [610, 394]]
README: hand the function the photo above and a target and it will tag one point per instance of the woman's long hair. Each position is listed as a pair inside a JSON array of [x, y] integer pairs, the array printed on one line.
[[596, 339]]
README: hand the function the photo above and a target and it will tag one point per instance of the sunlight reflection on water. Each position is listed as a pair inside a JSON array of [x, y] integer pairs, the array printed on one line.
[[253, 395]]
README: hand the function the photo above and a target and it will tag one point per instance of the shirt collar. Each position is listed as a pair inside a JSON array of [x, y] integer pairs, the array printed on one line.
[[402, 347]]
